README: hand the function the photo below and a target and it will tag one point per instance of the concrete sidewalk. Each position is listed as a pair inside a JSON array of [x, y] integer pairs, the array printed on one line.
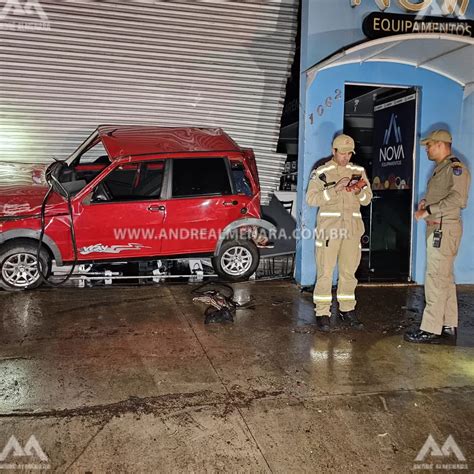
[[131, 380]]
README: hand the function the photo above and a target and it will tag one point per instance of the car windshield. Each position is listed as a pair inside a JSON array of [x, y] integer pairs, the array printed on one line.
[[83, 148], [93, 153], [67, 177]]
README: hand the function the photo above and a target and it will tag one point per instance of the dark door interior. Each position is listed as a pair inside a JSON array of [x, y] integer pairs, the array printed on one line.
[[382, 121]]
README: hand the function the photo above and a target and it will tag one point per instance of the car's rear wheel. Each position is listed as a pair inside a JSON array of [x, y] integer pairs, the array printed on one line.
[[19, 266], [237, 260]]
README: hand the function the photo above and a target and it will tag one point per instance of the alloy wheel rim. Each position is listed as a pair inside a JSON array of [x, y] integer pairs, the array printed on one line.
[[236, 261], [20, 270]]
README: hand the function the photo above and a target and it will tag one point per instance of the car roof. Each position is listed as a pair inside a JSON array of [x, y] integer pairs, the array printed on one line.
[[125, 140]]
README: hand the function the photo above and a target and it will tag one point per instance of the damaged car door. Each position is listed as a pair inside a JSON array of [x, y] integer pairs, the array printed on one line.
[[123, 214]]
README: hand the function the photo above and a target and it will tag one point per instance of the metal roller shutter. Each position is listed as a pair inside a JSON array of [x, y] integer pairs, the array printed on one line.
[[201, 63]]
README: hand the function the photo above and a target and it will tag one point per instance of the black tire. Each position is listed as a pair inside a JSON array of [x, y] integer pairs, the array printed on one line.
[[16, 256], [237, 260]]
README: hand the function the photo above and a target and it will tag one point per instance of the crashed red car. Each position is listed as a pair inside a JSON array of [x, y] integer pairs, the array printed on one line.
[[131, 192]]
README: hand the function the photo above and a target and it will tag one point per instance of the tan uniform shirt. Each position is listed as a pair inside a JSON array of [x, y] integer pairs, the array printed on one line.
[[447, 190], [337, 210]]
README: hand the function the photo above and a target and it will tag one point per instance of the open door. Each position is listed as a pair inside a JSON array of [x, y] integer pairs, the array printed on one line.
[[383, 124]]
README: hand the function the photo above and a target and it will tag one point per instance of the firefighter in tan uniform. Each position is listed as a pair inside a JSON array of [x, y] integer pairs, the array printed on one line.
[[446, 195], [338, 188]]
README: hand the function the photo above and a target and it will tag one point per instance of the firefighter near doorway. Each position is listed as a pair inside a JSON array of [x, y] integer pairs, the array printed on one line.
[[338, 188]]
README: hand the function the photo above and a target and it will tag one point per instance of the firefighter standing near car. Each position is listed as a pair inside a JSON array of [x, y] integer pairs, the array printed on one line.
[[446, 195], [338, 188]]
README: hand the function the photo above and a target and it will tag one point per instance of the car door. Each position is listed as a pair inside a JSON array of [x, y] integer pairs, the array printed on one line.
[[202, 202], [122, 216]]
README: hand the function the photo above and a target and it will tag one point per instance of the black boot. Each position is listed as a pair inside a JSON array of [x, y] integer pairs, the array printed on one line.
[[419, 336], [450, 331], [323, 323], [450, 334], [350, 318]]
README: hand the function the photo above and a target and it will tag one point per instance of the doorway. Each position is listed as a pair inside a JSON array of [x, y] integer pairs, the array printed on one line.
[[382, 120]]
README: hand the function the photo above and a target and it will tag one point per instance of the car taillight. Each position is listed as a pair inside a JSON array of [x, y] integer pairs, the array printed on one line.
[[249, 157]]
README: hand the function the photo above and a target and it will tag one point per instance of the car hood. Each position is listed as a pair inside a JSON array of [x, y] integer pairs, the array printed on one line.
[[22, 174], [25, 201]]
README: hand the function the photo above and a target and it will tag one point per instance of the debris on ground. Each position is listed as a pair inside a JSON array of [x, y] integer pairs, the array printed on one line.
[[221, 307], [218, 316]]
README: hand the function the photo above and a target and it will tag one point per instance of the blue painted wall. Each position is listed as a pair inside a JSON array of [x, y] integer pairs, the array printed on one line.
[[441, 105], [464, 146], [329, 25]]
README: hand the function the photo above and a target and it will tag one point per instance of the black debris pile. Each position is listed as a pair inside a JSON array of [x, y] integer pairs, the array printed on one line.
[[219, 299]]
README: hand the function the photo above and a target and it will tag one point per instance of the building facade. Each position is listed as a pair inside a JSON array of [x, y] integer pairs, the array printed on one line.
[[386, 72]]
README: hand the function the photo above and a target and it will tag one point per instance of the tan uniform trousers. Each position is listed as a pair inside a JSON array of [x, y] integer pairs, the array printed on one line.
[[346, 253], [440, 290]]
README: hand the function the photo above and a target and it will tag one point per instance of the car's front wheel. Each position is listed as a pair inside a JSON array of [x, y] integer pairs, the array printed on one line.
[[237, 260], [19, 266]]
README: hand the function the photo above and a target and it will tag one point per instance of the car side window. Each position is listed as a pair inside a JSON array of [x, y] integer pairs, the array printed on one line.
[[131, 182], [150, 181], [241, 181], [200, 177]]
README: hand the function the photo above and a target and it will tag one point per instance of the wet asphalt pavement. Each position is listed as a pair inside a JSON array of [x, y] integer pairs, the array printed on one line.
[[131, 380]]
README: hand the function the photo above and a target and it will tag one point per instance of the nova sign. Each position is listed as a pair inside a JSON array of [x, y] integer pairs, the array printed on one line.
[[388, 153], [393, 143], [448, 7]]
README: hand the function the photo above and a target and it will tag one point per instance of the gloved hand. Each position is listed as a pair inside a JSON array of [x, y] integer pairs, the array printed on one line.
[[357, 187], [341, 184]]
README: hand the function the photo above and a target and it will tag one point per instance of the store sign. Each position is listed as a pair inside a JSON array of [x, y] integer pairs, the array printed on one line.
[[448, 7], [393, 144], [379, 25]]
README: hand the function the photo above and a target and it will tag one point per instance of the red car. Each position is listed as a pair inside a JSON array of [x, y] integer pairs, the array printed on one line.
[[131, 192]]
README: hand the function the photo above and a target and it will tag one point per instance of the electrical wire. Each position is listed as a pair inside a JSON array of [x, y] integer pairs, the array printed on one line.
[[72, 231]]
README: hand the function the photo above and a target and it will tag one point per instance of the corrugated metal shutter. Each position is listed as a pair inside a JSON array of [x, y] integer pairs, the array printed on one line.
[[202, 63]]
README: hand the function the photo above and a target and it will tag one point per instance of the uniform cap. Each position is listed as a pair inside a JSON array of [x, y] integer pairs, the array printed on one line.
[[437, 136], [344, 144]]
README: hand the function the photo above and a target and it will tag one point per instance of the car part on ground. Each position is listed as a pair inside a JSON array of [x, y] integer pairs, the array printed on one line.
[[220, 300]]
